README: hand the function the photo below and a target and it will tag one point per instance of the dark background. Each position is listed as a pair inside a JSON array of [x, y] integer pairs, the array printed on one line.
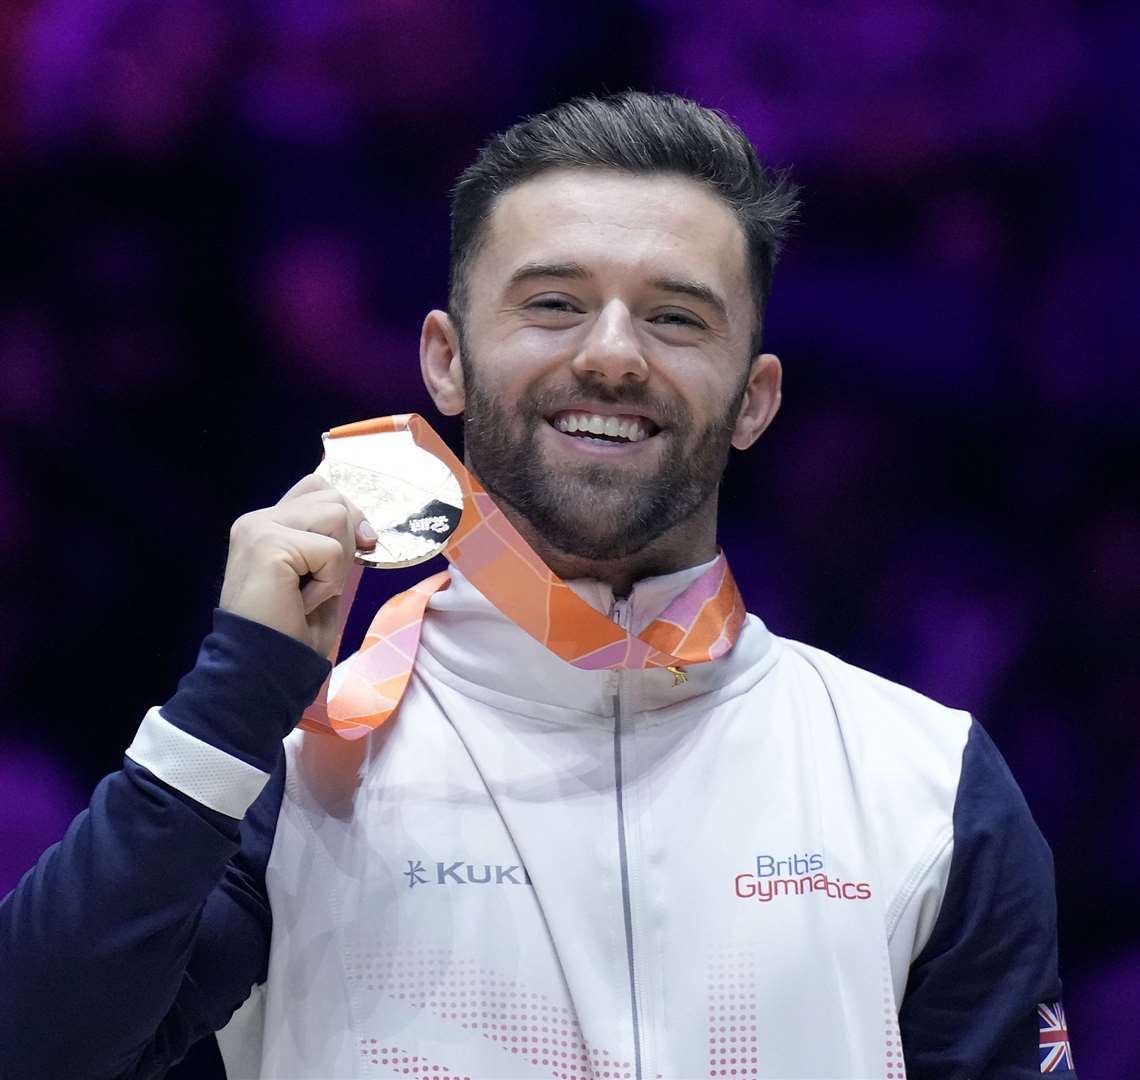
[[221, 224]]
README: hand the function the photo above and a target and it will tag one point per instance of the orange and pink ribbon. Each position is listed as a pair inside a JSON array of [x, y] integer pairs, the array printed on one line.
[[701, 624]]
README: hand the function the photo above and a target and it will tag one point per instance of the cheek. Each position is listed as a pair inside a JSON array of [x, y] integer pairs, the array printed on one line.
[[528, 364], [535, 348], [691, 382]]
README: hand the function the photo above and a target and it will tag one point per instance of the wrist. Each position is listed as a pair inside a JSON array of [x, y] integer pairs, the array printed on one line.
[[248, 689]]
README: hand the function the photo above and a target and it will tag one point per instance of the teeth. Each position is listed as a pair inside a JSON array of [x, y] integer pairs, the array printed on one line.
[[633, 430]]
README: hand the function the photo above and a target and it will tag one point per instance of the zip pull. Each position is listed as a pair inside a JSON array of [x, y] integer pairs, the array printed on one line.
[[620, 611], [680, 675]]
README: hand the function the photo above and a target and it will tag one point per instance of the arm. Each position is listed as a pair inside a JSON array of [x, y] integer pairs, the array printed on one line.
[[146, 926], [970, 1009]]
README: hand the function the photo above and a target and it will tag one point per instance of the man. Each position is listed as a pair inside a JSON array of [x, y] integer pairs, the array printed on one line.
[[549, 863]]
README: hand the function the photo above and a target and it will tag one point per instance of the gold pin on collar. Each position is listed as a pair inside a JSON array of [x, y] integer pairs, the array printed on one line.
[[680, 676]]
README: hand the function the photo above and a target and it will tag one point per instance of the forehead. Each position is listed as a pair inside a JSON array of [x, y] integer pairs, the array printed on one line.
[[619, 222]]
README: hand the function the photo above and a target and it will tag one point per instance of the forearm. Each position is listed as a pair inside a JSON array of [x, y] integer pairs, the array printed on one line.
[[98, 940], [97, 935]]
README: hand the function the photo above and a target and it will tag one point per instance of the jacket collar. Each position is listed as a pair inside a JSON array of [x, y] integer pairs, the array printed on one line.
[[468, 643], [647, 599]]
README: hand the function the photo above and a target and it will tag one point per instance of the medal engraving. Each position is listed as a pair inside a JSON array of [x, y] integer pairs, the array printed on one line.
[[407, 494]]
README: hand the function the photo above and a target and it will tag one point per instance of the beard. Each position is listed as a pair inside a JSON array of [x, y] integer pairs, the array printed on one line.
[[594, 511]]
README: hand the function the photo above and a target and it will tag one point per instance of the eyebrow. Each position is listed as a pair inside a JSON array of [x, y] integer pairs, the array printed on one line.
[[529, 271], [698, 290]]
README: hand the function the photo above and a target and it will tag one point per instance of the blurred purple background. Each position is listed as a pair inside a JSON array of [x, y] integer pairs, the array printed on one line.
[[223, 222]]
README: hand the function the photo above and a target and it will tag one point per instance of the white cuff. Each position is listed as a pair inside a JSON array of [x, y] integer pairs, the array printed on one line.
[[208, 775]]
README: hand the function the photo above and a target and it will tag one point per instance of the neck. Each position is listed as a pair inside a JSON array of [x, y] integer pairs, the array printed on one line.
[[689, 543]]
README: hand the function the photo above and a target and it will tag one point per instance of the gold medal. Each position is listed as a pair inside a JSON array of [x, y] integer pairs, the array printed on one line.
[[410, 497]]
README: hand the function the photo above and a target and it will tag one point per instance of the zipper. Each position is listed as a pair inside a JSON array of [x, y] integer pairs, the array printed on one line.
[[620, 613]]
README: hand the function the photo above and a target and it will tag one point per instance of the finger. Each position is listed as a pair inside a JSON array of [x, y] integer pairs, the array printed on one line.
[[325, 600], [315, 595], [362, 529], [320, 563], [311, 482], [327, 622], [316, 592], [324, 512], [363, 533]]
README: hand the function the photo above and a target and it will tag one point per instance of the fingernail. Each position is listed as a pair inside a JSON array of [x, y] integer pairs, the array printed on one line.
[[366, 531]]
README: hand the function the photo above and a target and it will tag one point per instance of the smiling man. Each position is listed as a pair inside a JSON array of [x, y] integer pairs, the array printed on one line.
[[615, 827], [605, 355]]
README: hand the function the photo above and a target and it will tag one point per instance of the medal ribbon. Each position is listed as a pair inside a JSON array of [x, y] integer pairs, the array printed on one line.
[[700, 624]]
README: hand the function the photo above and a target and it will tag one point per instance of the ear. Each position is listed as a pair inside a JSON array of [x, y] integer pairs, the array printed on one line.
[[440, 362], [761, 400]]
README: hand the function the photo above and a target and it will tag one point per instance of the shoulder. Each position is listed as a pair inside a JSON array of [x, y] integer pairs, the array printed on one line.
[[881, 720], [893, 758], [899, 731]]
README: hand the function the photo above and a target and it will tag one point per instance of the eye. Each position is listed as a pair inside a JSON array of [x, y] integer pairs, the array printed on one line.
[[552, 303], [678, 318]]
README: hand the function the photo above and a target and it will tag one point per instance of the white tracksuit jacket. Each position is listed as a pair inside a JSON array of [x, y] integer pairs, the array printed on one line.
[[540, 871]]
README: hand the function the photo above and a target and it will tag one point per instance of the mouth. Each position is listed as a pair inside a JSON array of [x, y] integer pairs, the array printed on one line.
[[603, 427]]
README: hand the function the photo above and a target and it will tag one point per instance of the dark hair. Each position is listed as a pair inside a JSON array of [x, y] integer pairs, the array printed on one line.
[[637, 133]]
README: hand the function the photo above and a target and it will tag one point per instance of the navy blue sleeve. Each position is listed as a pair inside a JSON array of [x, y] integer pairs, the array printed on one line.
[[147, 925], [970, 1009]]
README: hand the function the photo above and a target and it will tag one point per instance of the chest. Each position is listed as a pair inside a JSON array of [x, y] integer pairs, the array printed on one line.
[[505, 896]]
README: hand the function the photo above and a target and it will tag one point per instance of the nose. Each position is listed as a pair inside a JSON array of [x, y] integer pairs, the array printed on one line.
[[612, 350]]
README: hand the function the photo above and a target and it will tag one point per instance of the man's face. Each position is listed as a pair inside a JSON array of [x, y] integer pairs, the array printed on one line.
[[606, 301]]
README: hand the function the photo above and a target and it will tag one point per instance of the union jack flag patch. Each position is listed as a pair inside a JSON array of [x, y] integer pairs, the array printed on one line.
[[1056, 1053]]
